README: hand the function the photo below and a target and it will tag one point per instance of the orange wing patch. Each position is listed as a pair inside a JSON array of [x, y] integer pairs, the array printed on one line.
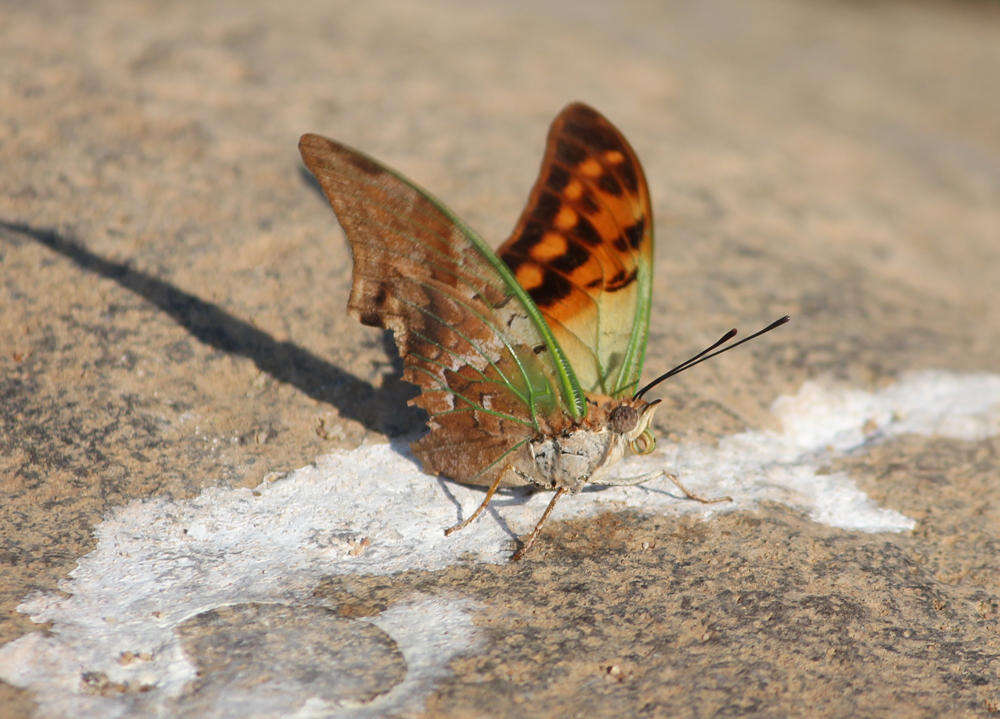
[[582, 240]]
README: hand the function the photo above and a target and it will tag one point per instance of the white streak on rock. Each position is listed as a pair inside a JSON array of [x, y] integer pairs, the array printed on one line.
[[371, 511]]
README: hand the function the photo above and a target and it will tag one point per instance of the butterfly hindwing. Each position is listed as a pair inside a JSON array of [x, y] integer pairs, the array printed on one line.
[[583, 249], [490, 372]]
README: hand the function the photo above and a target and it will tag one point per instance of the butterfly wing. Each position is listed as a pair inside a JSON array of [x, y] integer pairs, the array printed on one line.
[[490, 371], [583, 250]]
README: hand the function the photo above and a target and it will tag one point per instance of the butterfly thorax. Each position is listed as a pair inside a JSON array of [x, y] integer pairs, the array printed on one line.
[[583, 452]]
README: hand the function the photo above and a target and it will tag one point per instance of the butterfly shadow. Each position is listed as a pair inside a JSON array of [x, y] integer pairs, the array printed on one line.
[[380, 409]]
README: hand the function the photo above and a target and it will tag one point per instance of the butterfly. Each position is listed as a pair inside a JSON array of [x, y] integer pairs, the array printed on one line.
[[528, 359]]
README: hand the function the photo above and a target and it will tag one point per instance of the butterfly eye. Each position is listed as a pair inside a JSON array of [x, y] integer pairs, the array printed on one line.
[[644, 443], [623, 419]]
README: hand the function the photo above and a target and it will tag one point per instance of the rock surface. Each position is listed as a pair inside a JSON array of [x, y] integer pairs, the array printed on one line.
[[171, 313]]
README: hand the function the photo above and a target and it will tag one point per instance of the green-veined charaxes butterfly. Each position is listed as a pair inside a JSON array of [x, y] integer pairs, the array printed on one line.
[[528, 359]]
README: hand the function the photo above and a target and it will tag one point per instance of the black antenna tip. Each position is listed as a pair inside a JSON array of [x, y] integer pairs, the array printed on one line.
[[776, 323], [708, 354]]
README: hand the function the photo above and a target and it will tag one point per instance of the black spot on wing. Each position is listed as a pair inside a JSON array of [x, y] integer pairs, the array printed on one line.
[[512, 259], [569, 153], [573, 257], [634, 234], [628, 177], [545, 208], [597, 136], [588, 205], [620, 280], [531, 235], [553, 288], [584, 231], [609, 184], [557, 179]]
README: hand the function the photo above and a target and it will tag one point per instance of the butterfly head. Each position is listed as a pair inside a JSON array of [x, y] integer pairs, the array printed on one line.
[[631, 420]]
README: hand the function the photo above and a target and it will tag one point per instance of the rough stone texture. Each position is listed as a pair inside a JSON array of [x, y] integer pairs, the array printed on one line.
[[172, 290], [241, 659]]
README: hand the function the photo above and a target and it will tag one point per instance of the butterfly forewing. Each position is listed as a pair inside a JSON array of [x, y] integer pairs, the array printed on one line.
[[583, 249], [488, 373]]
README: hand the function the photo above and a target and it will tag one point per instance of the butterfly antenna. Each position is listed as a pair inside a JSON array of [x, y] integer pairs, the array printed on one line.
[[704, 354]]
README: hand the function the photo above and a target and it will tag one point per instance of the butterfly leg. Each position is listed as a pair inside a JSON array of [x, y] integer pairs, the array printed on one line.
[[628, 481], [530, 539], [691, 495], [489, 496]]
